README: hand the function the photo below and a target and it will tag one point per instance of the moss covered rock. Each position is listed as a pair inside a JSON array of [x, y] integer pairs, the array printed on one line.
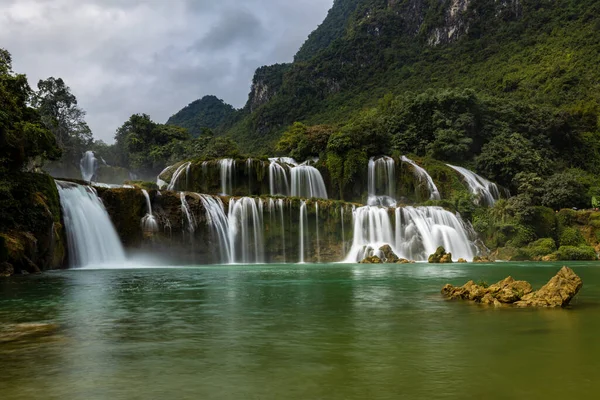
[[440, 256]]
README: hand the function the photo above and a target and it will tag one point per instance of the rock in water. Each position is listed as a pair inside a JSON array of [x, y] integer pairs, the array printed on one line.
[[558, 292], [440, 256], [372, 260], [388, 254]]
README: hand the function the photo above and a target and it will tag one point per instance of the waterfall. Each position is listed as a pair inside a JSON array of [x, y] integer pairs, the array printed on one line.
[[487, 192], [382, 182], [88, 166], [317, 230], [149, 222], [307, 182], [175, 178], [159, 182], [303, 229], [278, 180], [91, 236], [226, 166], [372, 229], [246, 231], [280, 206], [343, 231], [418, 233], [187, 213], [219, 224], [422, 175]]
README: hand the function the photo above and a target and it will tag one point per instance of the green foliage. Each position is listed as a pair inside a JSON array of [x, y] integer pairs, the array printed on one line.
[[572, 253], [571, 237], [64, 118], [302, 142], [565, 190], [208, 112], [144, 145], [23, 137]]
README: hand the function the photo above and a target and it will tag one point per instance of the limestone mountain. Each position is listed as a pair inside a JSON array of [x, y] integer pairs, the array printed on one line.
[[208, 112], [536, 51]]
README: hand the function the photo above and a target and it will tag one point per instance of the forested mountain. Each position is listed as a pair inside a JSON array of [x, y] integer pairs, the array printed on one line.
[[208, 112]]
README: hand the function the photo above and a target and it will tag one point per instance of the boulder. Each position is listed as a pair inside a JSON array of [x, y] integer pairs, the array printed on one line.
[[404, 261], [558, 292], [440, 256], [388, 254], [482, 259], [462, 261], [6, 269], [372, 260]]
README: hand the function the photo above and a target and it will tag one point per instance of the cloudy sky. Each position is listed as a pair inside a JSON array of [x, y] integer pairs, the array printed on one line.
[[122, 57]]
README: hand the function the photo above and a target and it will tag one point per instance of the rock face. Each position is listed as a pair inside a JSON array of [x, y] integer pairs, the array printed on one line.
[[440, 256], [558, 292]]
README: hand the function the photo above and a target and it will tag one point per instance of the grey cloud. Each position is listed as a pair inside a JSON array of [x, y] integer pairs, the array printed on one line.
[[122, 57]]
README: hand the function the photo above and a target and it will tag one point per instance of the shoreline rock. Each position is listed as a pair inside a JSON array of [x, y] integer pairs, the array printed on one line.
[[558, 292]]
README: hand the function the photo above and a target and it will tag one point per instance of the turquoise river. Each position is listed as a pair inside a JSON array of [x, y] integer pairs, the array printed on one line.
[[328, 331]]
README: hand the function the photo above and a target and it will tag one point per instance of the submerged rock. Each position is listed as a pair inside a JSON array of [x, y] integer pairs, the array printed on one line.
[[21, 332], [558, 292], [404, 261], [440, 256]]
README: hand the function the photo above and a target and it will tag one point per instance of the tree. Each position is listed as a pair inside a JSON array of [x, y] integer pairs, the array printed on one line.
[[62, 116], [23, 137]]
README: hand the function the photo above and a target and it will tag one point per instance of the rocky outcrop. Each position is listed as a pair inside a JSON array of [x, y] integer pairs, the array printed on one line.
[[482, 259], [558, 292], [372, 260], [388, 254], [440, 257]]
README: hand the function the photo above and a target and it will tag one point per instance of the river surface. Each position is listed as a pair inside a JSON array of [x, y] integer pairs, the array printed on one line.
[[326, 331]]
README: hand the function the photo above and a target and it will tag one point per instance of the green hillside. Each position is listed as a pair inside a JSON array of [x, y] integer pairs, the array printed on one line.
[[538, 52], [208, 112]]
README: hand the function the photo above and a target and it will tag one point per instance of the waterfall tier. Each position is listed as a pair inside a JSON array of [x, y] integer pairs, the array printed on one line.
[[486, 192], [382, 182], [91, 236], [415, 234], [88, 166], [422, 175]]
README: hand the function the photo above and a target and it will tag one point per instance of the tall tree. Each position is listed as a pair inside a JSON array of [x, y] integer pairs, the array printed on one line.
[[23, 137], [65, 119]]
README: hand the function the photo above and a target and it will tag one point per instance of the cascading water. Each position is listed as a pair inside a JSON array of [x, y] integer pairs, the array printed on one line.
[[161, 183], [382, 182], [149, 222], [185, 167], [317, 231], [88, 166], [420, 231], [91, 236], [307, 182], [487, 192], [246, 231], [417, 234], [303, 230], [226, 166], [278, 180], [189, 222], [423, 176], [217, 220], [280, 205]]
